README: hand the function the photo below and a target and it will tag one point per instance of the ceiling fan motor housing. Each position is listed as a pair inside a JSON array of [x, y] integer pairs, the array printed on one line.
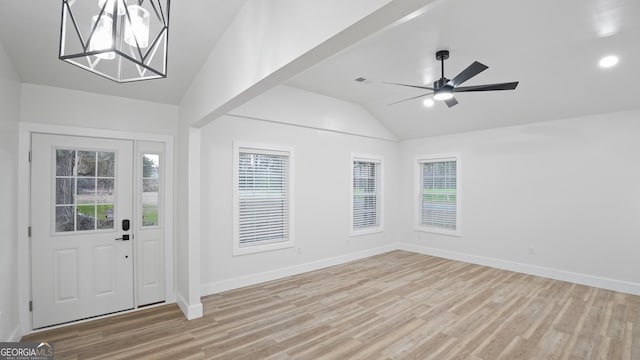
[[441, 83]]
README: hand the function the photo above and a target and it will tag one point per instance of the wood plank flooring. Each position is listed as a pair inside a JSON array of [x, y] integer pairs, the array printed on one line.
[[397, 305]]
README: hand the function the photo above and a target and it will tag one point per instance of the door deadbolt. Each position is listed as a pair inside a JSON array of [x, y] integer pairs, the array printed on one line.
[[126, 225]]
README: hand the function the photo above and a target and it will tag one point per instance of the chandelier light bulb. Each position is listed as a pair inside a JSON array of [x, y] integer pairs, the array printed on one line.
[[101, 38], [138, 27]]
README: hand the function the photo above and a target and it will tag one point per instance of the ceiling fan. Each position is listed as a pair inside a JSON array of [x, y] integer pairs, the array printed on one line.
[[444, 89]]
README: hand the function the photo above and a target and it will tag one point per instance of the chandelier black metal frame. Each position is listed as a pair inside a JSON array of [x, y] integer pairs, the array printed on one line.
[[121, 40]]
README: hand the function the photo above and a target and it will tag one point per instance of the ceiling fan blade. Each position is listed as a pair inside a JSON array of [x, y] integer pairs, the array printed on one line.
[[488, 87], [451, 102], [413, 86], [411, 98], [466, 74]]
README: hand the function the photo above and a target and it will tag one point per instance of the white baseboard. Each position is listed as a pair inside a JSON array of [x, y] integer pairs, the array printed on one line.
[[191, 312], [239, 282], [577, 278]]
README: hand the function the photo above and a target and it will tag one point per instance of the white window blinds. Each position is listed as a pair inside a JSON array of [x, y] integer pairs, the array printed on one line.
[[365, 195], [439, 194], [263, 196]]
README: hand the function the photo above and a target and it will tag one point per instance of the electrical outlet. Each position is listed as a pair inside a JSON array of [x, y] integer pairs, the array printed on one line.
[[532, 250]]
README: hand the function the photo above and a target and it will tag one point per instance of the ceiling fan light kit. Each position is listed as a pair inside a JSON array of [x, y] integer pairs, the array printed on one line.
[[122, 40], [444, 89]]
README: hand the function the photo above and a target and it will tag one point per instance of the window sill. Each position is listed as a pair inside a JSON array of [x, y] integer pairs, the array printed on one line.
[[262, 248], [456, 233], [368, 231]]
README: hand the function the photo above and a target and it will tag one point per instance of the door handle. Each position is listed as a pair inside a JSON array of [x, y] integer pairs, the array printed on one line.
[[124, 237]]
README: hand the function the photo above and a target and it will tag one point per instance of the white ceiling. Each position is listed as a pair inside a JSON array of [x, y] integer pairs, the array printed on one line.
[[30, 32], [552, 47]]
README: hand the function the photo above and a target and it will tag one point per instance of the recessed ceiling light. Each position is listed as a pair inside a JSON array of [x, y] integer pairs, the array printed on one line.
[[428, 102], [608, 61]]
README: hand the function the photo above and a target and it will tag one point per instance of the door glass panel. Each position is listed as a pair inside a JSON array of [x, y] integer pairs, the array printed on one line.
[[105, 191], [150, 189], [65, 191], [106, 164], [64, 219], [65, 160], [86, 217], [105, 216], [84, 190], [87, 163]]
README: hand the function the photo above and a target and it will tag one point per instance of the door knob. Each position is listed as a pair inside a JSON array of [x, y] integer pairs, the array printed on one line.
[[124, 237]]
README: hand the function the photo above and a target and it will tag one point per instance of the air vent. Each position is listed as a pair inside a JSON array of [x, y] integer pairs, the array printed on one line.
[[362, 80]]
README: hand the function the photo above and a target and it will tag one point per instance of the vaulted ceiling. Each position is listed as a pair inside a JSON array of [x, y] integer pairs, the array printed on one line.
[[551, 47]]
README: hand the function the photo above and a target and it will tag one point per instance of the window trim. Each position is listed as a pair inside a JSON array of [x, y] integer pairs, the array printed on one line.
[[379, 194], [264, 149], [417, 193]]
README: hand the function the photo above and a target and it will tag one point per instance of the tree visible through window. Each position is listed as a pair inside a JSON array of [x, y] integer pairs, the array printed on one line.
[[84, 190]]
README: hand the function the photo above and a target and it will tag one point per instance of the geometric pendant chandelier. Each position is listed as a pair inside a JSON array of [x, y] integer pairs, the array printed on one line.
[[122, 40]]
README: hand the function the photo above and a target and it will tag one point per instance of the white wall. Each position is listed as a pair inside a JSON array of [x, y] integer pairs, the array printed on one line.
[[294, 106], [9, 116], [57, 106], [568, 189], [322, 196]]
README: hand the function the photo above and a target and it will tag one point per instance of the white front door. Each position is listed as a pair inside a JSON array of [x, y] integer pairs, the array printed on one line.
[[81, 191]]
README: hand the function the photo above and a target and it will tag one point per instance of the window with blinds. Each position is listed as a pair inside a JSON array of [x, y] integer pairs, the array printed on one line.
[[438, 198], [366, 194], [262, 199]]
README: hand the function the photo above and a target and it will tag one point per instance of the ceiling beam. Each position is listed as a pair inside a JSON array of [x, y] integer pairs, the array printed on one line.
[[271, 41]]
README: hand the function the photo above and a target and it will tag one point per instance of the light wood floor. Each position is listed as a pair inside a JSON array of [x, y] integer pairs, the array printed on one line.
[[394, 306]]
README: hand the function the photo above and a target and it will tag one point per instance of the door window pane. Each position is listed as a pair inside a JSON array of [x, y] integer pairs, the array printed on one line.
[[104, 194], [65, 160], [105, 216], [84, 188], [106, 164], [65, 219], [86, 163], [65, 191], [86, 217], [86, 193], [150, 189]]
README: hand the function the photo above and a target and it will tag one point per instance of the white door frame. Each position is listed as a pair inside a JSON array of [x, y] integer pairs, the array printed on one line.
[[24, 251]]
